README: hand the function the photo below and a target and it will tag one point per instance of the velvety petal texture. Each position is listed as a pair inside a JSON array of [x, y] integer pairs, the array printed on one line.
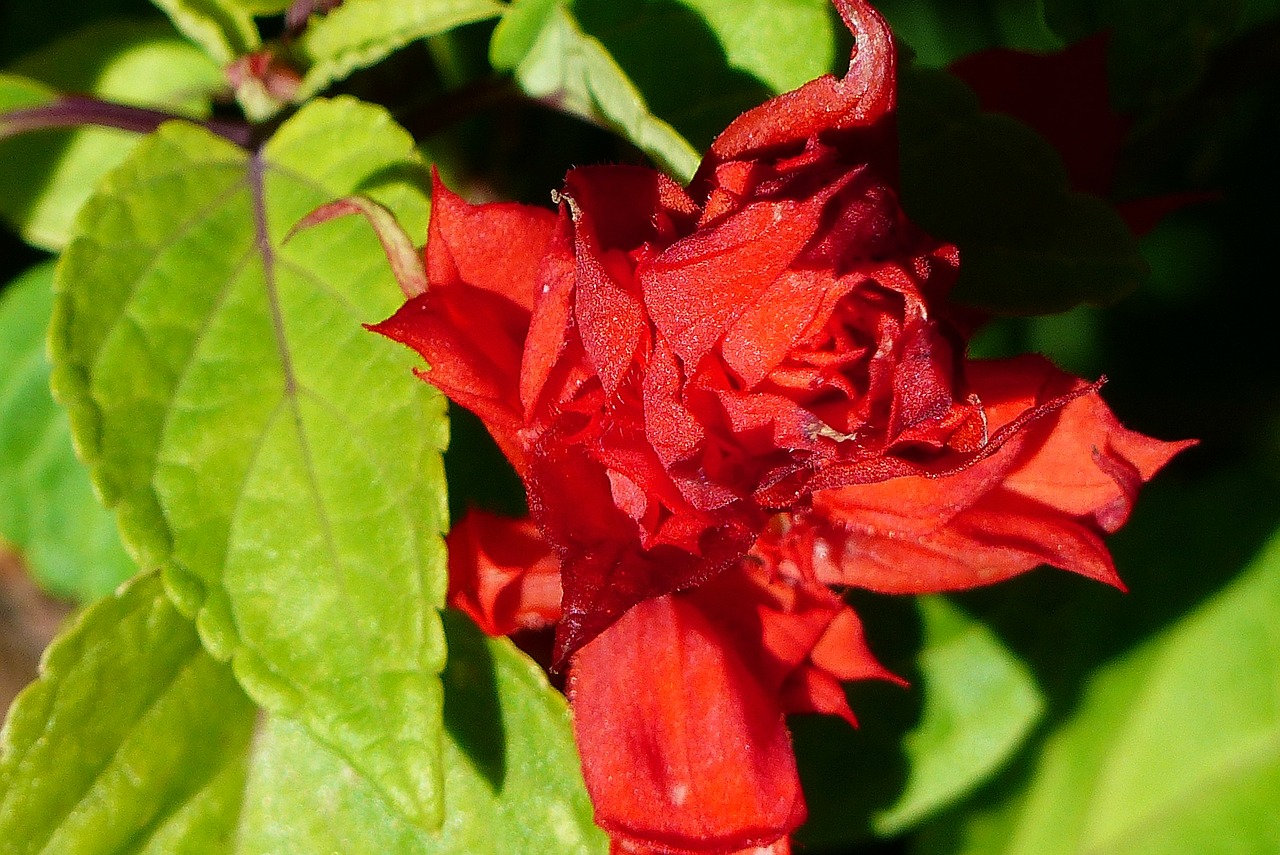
[[1047, 496], [723, 399], [667, 369]]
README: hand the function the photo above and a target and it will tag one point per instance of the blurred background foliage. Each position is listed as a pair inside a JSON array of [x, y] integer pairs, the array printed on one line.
[[1048, 714]]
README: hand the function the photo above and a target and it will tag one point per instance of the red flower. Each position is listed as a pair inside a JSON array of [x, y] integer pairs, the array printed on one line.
[[668, 368], [1047, 497], [720, 400], [679, 706]]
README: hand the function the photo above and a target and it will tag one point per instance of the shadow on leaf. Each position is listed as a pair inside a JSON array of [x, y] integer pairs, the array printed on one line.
[[472, 710]]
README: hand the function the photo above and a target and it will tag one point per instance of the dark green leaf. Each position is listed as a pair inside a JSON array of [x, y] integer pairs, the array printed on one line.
[[47, 507], [970, 705], [279, 462], [47, 176], [939, 32], [25, 24], [1028, 245], [1158, 47]]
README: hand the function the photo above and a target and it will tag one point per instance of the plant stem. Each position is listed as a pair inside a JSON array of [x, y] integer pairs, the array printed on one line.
[[74, 111]]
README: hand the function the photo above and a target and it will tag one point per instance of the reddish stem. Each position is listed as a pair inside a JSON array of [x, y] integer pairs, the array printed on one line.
[[74, 111]]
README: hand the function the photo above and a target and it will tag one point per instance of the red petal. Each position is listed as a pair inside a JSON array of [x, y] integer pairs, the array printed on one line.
[[702, 284], [1046, 497], [549, 326], [1077, 467], [609, 560], [859, 100], [682, 748], [497, 247], [471, 325], [619, 846], [503, 574], [471, 339]]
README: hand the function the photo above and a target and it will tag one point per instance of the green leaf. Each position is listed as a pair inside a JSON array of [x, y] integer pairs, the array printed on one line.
[[1174, 747], [359, 33], [989, 184], [136, 740], [980, 704], [47, 506], [1158, 47], [553, 59], [699, 63], [46, 177], [939, 32], [279, 462], [262, 7], [971, 704], [512, 785], [132, 740], [660, 72], [224, 29]]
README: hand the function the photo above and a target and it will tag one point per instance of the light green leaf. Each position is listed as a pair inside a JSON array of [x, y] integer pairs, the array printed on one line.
[[279, 462], [132, 739], [980, 704], [989, 184], [699, 63], [1174, 748], [47, 507], [782, 43], [512, 785], [223, 28], [359, 33], [262, 7], [662, 74], [47, 176], [553, 59]]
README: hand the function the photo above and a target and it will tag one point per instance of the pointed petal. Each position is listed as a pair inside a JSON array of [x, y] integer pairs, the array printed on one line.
[[497, 247]]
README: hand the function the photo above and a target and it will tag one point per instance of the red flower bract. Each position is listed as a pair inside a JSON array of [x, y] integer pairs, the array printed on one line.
[[667, 368]]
